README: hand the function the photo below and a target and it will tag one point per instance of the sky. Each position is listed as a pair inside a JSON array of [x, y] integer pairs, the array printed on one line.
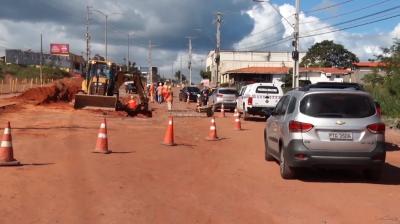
[[362, 26]]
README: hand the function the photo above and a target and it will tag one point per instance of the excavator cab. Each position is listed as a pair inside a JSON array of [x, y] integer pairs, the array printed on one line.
[[98, 88]]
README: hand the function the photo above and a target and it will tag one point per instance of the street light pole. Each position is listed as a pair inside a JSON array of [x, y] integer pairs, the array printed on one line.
[[295, 53], [106, 35]]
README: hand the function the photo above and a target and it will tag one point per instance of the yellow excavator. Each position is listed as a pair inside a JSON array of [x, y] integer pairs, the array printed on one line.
[[100, 89]]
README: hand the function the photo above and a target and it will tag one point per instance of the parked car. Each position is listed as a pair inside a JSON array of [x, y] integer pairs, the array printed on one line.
[[192, 91], [223, 95], [258, 99], [325, 126]]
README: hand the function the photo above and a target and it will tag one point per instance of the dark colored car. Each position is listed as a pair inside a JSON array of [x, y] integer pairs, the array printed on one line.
[[190, 91]]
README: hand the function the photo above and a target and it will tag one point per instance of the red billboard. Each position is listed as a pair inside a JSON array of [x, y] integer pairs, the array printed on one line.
[[62, 49]]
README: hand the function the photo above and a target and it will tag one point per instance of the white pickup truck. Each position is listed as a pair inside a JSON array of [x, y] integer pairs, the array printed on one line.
[[258, 99]]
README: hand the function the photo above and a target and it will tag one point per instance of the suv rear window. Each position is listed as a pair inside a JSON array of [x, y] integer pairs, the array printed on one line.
[[337, 105], [228, 91], [267, 89]]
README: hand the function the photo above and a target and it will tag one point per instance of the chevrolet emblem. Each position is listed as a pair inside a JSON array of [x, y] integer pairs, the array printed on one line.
[[340, 122]]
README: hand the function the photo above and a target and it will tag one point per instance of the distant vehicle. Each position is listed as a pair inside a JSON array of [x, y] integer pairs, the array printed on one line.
[[130, 87], [225, 96], [326, 126], [190, 91], [258, 99]]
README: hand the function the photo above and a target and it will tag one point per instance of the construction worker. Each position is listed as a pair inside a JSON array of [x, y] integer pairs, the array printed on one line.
[[132, 106], [169, 97], [151, 90], [159, 93]]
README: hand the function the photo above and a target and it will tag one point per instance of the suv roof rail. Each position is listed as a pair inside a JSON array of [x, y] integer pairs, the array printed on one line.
[[333, 85]]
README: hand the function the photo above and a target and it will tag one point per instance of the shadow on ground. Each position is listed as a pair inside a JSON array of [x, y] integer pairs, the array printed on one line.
[[390, 176]]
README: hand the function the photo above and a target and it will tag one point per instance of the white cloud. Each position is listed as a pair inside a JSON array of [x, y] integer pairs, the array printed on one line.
[[365, 46]]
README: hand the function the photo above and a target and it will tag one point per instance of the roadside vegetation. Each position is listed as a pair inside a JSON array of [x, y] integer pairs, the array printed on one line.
[[28, 72], [385, 85]]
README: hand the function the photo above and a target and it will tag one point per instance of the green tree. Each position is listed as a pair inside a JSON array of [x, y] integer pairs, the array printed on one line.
[[178, 76], [205, 74], [387, 91], [328, 54]]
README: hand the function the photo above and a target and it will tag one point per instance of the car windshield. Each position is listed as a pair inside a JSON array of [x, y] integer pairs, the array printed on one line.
[[337, 105], [193, 89], [267, 89], [228, 91]]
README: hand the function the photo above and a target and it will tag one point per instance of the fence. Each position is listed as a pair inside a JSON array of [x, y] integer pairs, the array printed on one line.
[[20, 85]]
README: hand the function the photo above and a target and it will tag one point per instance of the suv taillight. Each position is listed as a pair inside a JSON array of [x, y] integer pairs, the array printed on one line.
[[377, 128], [250, 101], [296, 126]]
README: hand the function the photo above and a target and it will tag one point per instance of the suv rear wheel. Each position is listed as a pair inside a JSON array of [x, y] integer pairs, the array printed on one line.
[[286, 171]]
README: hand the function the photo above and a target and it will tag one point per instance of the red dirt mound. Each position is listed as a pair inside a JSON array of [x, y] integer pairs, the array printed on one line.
[[61, 90]]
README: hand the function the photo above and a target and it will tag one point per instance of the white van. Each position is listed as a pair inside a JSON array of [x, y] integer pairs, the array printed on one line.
[[258, 99]]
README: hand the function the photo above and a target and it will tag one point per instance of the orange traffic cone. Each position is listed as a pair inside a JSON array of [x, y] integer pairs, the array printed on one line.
[[222, 115], [238, 125], [102, 141], [236, 113], [6, 149], [212, 135], [169, 134]]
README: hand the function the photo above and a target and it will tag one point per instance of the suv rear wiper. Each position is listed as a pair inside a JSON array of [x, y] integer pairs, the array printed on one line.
[[328, 115]]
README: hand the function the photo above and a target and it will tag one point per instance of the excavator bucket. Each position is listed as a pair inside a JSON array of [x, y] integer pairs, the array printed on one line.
[[84, 101]]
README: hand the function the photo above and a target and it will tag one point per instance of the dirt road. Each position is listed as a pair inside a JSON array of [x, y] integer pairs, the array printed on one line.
[[227, 181]]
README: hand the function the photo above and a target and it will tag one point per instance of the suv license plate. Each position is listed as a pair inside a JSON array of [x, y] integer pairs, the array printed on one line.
[[340, 136]]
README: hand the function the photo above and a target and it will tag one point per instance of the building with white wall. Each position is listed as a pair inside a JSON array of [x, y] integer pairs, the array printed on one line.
[[232, 60]]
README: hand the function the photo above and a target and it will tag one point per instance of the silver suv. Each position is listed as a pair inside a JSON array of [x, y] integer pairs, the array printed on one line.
[[225, 96], [325, 126]]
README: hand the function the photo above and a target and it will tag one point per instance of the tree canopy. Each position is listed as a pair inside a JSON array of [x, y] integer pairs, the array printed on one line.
[[328, 54]]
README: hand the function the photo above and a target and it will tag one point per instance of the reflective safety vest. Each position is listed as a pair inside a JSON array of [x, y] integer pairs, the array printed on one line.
[[132, 104]]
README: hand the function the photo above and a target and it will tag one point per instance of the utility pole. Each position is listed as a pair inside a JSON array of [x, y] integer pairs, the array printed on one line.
[[87, 34], [180, 71], [150, 72], [41, 59], [128, 59], [190, 60], [218, 49], [295, 53], [106, 35]]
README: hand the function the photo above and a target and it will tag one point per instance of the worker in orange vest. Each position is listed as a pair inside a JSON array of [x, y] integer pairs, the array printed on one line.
[[132, 106], [169, 98], [151, 90]]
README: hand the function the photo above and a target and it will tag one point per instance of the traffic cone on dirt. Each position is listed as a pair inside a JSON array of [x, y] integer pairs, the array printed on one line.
[[236, 113], [6, 149], [212, 135], [238, 125], [102, 141], [169, 134], [222, 114]]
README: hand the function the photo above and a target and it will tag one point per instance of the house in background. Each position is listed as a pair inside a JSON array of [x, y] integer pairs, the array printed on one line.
[[231, 60], [324, 74], [255, 74], [363, 68]]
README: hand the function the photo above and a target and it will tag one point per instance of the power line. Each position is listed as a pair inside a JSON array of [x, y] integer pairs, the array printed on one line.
[[348, 12], [328, 7], [350, 27], [359, 18]]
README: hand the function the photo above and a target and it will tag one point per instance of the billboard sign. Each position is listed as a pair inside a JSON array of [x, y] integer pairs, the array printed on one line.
[[59, 49]]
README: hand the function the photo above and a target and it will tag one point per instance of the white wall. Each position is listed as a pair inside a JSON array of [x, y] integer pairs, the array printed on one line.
[[315, 77]]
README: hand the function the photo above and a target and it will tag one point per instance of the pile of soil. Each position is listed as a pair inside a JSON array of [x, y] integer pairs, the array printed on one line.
[[61, 90]]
